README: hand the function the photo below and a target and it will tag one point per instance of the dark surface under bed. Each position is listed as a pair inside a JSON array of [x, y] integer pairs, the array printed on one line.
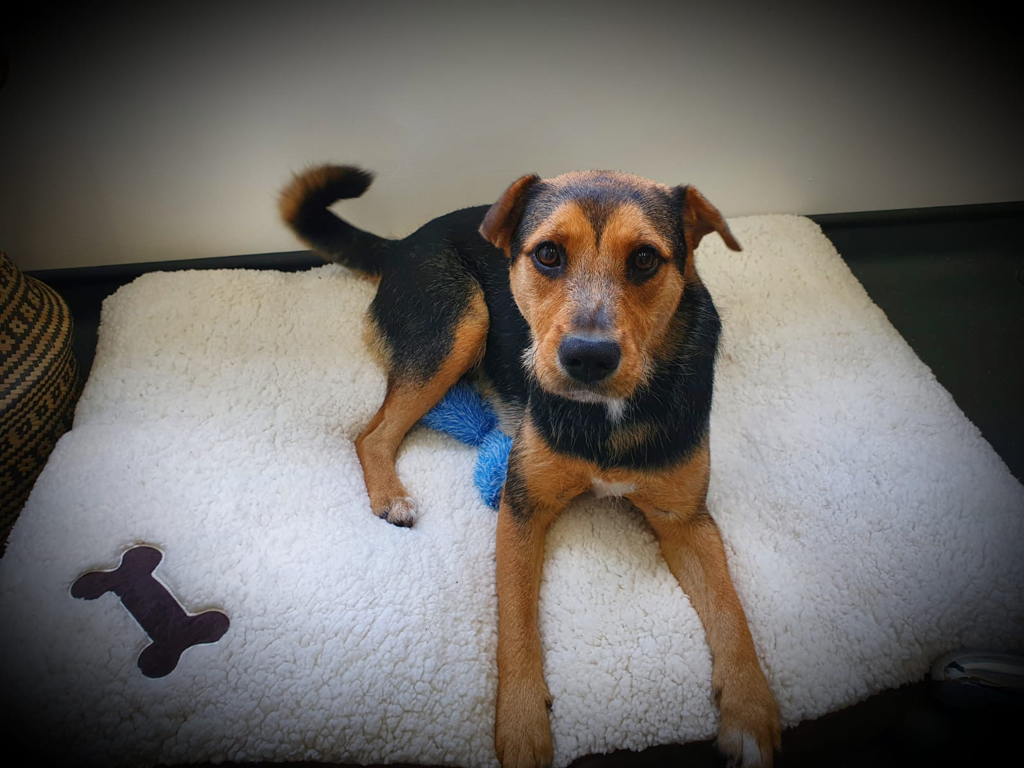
[[951, 280]]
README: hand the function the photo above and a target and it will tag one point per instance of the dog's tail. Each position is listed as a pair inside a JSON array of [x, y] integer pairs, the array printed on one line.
[[304, 207]]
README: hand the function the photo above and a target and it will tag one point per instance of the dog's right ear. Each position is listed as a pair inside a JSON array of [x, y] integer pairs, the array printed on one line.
[[503, 217]]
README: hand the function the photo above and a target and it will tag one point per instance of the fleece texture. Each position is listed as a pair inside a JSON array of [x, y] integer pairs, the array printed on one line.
[[869, 528]]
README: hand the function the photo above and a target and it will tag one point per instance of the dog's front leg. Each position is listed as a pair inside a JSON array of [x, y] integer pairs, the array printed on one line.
[[536, 489], [692, 546], [522, 734]]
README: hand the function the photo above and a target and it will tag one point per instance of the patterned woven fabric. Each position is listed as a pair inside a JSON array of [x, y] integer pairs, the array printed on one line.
[[39, 384]]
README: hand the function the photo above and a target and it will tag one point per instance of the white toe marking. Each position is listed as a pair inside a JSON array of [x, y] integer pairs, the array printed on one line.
[[751, 752], [740, 746], [402, 511]]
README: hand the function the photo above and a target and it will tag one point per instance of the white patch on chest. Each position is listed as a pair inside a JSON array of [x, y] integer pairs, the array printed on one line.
[[603, 489]]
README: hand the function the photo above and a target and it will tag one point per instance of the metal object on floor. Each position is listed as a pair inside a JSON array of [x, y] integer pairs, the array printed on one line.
[[978, 679]]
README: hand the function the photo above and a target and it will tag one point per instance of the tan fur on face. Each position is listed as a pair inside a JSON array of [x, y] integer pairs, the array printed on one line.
[[596, 276]]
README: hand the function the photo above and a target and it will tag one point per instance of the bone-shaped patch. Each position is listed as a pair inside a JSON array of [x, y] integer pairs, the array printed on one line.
[[168, 625]]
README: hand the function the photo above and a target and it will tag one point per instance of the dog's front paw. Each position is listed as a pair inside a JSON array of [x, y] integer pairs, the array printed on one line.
[[522, 732], [400, 511], [751, 731]]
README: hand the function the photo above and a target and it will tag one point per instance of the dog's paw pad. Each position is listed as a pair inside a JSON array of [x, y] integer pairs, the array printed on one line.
[[400, 512]]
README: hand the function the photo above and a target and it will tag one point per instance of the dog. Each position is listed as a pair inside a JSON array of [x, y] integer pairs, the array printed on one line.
[[577, 302]]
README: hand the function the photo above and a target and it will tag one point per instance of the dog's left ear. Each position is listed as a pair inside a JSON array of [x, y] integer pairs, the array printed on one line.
[[701, 218], [503, 217]]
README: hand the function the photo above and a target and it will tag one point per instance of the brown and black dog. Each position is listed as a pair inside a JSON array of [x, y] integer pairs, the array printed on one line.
[[581, 306]]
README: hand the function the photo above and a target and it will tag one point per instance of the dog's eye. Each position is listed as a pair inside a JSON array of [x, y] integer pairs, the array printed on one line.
[[548, 255], [644, 259]]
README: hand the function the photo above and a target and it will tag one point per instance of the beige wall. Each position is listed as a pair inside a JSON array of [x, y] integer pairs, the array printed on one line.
[[140, 135]]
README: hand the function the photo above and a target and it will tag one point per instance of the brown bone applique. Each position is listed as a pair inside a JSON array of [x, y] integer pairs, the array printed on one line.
[[171, 629]]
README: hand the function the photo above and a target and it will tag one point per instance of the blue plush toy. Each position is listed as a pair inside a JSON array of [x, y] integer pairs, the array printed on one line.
[[464, 415]]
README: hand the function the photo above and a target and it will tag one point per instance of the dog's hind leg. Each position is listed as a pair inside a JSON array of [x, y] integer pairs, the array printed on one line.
[[410, 394]]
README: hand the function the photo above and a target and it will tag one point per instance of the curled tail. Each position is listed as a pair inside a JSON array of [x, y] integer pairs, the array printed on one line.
[[303, 206]]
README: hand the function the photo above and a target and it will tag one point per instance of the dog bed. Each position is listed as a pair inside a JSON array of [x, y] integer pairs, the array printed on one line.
[[211, 468]]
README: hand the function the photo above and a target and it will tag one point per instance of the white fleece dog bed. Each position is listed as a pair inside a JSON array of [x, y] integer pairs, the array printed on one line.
[[869, 526]]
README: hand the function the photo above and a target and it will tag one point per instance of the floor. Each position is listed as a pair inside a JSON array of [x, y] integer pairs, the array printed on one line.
[[952, 282]]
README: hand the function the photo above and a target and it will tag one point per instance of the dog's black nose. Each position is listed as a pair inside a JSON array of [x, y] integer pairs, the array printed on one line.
[[589, 360]]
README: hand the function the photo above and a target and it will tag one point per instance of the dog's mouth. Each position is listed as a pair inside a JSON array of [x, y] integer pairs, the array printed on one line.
[[581, 393], [584, 394], [556, 378], [615, 405]]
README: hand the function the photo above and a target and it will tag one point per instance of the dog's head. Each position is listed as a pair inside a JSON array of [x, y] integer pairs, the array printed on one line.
[[599, 261]]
